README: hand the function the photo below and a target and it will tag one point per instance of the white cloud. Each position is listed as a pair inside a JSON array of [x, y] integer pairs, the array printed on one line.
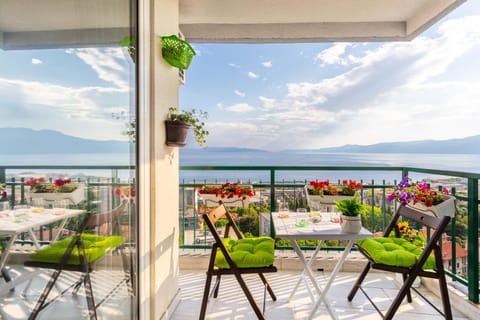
[[233, 65], [252, 75], [334, 55], [267, 64], [240, 93], [36, 61], [240, 108], [106, 63]]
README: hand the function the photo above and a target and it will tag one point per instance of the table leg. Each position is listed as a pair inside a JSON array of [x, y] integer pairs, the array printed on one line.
[[331, 278], [307, 268], [302, 276]]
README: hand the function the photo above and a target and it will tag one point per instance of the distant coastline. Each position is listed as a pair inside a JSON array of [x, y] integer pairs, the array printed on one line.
[[29, 141]]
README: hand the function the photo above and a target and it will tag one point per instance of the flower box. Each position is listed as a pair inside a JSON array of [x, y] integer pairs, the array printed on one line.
[[231, 194], [315, 202], [211, 200], [75, 196], [444, 208]]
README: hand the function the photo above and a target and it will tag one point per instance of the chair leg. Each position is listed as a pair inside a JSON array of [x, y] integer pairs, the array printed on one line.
[[206, 293], [217, 286], [409, 295], [43, 297], [442, 282], [357, 284], [400, 296], [249, 296], [267, 285]]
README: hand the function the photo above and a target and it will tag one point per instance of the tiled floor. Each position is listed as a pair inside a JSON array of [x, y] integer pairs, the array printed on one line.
[[232, 304], [70, 307]]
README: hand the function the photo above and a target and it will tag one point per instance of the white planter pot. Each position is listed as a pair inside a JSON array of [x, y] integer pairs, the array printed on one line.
[[446, 208], [75, 196], [318, 202], [351, 224], [211, 200]]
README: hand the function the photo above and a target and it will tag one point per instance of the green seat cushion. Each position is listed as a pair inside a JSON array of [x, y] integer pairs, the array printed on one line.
[[95, 247], [254, 252], [394, 252]]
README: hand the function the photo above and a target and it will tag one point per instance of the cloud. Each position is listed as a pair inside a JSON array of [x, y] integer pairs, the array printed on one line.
[[267, 64], [233, 65], [252, 75], [334, 55], [36, 61], [402, 90], [239, 93], [240, 108], [107, 64]]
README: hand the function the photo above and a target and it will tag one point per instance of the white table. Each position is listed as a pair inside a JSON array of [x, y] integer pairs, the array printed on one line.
[[286, 227], [15, 222]]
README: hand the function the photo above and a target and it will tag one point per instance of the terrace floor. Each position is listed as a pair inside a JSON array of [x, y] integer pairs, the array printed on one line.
[[231, 303]]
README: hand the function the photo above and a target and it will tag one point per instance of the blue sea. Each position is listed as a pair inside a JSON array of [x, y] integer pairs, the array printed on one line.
[[192, 157]]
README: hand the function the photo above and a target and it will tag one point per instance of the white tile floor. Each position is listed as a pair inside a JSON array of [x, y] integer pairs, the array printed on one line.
[[232, 304], [70, 307]]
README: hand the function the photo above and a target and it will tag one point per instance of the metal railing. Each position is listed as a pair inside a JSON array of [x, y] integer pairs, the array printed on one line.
[[98, 186], [268, 181]]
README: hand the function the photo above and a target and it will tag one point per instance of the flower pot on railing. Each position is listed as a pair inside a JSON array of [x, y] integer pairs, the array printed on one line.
[[211, 200], [231, 194], [444, 208], [315, 202], [75, 196]]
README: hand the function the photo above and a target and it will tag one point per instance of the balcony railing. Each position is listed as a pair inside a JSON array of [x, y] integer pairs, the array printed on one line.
[[285, 184], [276, 184]]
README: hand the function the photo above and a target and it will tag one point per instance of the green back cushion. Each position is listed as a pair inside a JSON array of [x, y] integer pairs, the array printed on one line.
[[248, 252], [394, 252], [95, 247]]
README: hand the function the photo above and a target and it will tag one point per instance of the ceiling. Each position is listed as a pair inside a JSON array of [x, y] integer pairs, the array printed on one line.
[[258, 21], [68, 23]]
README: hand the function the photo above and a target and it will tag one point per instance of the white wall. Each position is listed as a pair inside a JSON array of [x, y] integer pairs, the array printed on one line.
[[164, 167]]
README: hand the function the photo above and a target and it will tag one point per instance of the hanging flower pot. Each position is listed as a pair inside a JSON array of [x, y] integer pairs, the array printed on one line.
[[176, 133], [177, 52]]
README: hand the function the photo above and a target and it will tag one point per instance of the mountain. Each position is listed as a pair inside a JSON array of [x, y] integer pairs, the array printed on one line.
[[29, 141], [468, 145]]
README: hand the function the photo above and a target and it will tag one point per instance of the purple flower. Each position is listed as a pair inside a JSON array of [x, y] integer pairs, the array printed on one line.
[[403, 197], [404, 183], [391, 196]]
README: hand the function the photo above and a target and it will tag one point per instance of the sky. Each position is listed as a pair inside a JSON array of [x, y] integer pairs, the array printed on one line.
[[269, 96]]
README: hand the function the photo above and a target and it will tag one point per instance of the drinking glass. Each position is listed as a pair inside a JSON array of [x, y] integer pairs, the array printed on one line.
[[37, 203], [4, 206], [61, 204]]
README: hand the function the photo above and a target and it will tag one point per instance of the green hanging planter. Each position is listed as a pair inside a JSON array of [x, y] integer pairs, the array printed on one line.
[[176, 52]]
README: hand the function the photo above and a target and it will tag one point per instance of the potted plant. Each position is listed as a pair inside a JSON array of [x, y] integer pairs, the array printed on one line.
[[231, 194], [419, 196], [324, 193], [178, 123], [350, 218], [60, 189]]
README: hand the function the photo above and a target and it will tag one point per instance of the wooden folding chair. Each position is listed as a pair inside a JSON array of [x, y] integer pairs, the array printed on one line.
[[411, 272], [75, 256], [223, 261]]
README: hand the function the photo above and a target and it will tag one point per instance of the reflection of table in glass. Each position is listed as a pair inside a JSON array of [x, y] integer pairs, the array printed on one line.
[[15, 222], [287, 227]]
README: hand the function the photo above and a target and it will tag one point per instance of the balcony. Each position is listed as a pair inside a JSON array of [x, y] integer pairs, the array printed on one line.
[[275, 185]]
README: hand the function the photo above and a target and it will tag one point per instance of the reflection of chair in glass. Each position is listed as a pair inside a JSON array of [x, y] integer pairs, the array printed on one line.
[[401, 256], [236, 257], [80, 253]]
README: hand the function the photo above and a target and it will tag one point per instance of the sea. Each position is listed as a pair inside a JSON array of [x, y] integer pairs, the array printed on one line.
[[193, 157]]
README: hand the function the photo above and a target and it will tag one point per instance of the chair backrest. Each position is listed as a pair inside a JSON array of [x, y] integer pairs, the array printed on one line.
[[220, 212], [97, 220], [423, 218]]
